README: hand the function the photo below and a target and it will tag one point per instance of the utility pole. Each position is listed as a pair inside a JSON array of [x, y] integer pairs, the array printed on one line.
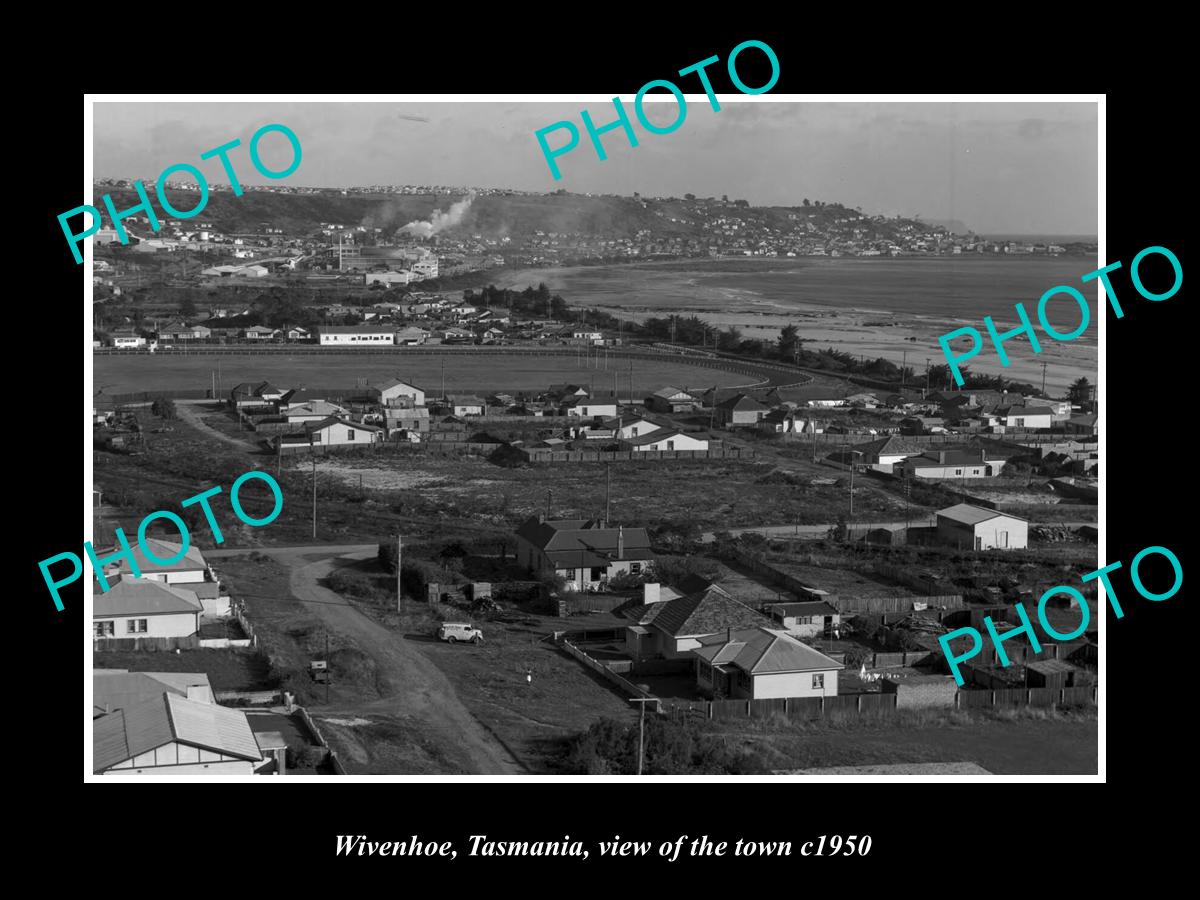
[[608, 495], [399, 592], [313, 454], [549, 494], [443, 380], [927, 362], [903, 366], [327, 674], [642, 728], [1043, 379], [852, 452]]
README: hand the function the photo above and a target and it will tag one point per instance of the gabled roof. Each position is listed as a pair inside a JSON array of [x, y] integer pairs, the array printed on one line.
[[337, 420], [580, 543], [763, 651], [972, 515], [165, 719], [114, 689], [314, 408], [192, 561], [892, 445], [659, 434], [143, 597], [706, 612], [673, 393], [740, 402], [395, 382]]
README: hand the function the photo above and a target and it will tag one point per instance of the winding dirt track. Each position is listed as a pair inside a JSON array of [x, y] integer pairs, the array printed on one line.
[[414, 685]]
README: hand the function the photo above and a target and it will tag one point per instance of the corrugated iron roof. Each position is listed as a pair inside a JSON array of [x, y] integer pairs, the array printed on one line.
[[143, 597]]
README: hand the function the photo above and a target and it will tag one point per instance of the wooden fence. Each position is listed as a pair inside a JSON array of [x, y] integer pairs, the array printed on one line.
[[818, 707], [166, 644], [560, 456], [603, 671]]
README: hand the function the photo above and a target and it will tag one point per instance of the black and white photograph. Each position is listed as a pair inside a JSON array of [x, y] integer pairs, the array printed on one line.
[[533, 438]]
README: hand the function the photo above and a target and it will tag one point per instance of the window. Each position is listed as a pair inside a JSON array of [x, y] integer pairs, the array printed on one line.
[[958, 471], [316, 437], [585, 412], [349, 434], [635, 568], [597, 573], [103, 629], [136, 626], [670, 445], [1020, 423], [743, 680], [634, 431], [819, 682]]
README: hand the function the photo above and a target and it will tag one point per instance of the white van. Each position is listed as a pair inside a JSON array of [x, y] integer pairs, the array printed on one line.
[[451, 632]]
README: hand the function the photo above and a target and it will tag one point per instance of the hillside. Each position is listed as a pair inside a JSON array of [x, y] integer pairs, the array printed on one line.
[[502, 215]]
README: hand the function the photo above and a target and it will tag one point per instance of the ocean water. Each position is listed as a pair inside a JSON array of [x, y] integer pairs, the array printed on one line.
[[940, 288]]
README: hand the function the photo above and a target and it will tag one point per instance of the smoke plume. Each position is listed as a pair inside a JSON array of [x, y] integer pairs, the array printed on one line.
[[440, 221]]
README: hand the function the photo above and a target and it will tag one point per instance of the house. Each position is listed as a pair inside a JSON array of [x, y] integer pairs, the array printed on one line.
[[625, 429], [587, 553], [172, 735], [1025, 416], [356, 335], [312, 411], [827, 402], [257, 333], [186, 569], [673, 628], [740, 410], [587, 408], [395, 392], [973, 527], [177, 331], [293, 333], [805, 619], [409, 419], [143, 607], [762, 664], [885, 453], [672, 400], [114, 689], [663, 440], [332, 432], [410, 337], [916, 425], [249, 394], [949, 464], [466, 405]]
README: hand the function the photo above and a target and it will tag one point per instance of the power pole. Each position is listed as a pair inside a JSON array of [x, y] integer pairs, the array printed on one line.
[[549, 494], [927, 362], [313, 454], [608, 495], [327, 668], [399, 592], [443, 380], [1043, 378], [903, 366], [642, 728]]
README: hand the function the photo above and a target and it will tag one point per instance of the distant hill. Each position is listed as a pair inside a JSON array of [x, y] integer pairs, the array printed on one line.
[[495, 215]]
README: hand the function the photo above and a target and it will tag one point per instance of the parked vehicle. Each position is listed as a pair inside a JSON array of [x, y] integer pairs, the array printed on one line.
[[452, 632]]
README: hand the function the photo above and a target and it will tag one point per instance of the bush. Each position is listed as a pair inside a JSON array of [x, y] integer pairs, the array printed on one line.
[[670, 748], [164, 408]]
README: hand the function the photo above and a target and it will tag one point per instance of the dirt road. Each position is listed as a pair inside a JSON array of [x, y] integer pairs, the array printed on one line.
[[190, 410], [415, 686]]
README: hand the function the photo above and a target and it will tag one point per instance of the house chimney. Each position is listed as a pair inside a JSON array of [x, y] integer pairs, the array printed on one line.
[[620, 542], [729, 635], [650, 593]]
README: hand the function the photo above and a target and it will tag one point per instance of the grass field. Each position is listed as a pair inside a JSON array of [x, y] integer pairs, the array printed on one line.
[[1013, 742], [227, 670], [117, 374]]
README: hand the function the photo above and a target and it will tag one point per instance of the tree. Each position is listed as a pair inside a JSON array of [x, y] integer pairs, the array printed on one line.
[[689, 196], [789, 342], [806, 203], [187, 307], [1080, 391], [164, 408]]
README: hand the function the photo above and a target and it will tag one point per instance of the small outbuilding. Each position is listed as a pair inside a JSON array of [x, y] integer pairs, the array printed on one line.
[[976, 528]]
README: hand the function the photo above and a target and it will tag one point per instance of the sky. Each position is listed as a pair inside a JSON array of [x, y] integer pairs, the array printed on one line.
[[1000, 168]]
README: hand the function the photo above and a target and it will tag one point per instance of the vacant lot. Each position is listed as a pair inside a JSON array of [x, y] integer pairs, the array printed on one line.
[[227, 670], [464, 372], [522, 689], [1024, 742]]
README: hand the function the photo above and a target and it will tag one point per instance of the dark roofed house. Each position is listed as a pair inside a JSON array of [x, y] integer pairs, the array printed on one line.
[[587, 553], [740, 410], [763, 664], [251, 394], [143, 608], [673, 628], [672, 400]]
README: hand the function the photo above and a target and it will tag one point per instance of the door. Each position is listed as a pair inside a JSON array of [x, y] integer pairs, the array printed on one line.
[[1002, 540]]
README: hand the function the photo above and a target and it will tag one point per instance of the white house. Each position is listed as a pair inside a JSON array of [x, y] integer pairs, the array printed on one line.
[[665, 439], [356, 335], [395, 392], [190, 568], [625, 430], [467, 406], [763, 664], [586, 408], [312, 411], [143, 607], [331, 432], [807, 619], [1025, 416], [973, 527], [172, 735]]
